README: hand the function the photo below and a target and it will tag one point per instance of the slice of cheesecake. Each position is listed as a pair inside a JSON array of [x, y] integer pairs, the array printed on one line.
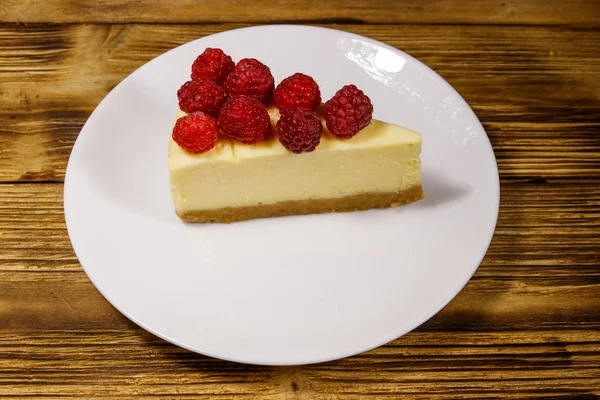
[[379, 167]]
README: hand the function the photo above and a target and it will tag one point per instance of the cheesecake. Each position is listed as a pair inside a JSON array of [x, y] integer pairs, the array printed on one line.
[[233, 181]]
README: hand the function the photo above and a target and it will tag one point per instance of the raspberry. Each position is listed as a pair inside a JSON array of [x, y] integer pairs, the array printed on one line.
[[213, 64], [347, 112], [201, 95], [297, 91], [245, 119], [196, 132], [299, 130], [251, 78]]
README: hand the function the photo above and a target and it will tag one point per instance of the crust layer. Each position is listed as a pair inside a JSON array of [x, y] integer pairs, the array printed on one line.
[[363, 201]]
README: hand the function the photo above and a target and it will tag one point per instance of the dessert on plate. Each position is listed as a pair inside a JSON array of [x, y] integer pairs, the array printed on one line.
[[243, 149]]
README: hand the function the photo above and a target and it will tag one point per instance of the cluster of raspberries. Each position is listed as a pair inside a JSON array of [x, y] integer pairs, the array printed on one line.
[[231, 98]]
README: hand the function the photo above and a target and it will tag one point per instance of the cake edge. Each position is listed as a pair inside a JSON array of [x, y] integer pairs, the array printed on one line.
[[357, 202]]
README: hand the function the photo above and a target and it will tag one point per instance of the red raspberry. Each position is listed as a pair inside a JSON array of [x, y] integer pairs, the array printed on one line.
[[347, 112], [245, 119], [201, 95], [251, 78], [299, 130], [196, 132], [213, 64], [297, 91]]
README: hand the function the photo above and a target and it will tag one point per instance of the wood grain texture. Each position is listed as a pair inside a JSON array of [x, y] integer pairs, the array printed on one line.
[[527, 325], [265, 11], [421, 365], [535, 91]]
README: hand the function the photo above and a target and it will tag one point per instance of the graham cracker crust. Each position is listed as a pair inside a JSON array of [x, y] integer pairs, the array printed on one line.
[[356, 202]]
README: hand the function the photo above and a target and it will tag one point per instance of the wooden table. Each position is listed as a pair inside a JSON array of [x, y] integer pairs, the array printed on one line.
[[526, 326]]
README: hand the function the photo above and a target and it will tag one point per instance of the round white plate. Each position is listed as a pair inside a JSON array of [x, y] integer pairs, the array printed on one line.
[[290, 290]]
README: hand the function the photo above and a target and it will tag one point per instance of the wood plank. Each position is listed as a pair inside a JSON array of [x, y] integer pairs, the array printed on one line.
[[518, 80], [34, 301], [541, 271], [421, 365], [262, 11]]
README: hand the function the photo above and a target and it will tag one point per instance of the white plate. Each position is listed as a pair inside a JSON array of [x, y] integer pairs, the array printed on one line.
[[290, 290]]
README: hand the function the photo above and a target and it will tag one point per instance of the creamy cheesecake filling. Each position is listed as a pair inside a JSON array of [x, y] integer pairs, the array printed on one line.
[[382, 158]]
